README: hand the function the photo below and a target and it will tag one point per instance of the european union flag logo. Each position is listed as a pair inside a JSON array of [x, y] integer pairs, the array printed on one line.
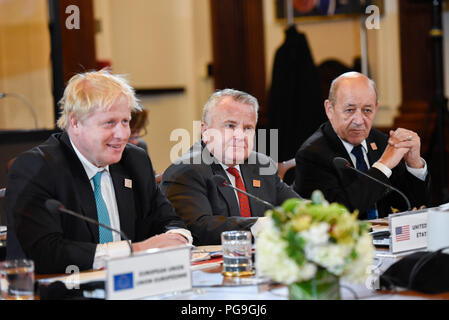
[[123, 281]]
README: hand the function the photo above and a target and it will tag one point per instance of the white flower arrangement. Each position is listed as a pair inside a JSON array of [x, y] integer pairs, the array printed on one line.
[[303, 236]]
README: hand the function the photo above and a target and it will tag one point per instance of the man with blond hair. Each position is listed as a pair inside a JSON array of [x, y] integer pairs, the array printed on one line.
[[90, 169]]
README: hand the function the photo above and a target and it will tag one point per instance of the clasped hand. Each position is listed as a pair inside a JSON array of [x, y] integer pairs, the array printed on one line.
[[402, 144]]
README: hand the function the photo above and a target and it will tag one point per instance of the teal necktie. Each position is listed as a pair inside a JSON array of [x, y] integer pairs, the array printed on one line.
[[102, 210]]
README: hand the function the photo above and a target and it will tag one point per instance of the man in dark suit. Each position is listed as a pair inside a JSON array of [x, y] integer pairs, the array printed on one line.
[[393, 159], [208, 208], [91, 170]]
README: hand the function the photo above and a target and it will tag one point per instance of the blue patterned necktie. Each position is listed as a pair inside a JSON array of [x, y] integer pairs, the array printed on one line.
[[102, 210], [361, 165]]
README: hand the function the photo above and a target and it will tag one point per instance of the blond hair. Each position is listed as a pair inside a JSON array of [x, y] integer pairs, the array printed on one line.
[[86, 92]]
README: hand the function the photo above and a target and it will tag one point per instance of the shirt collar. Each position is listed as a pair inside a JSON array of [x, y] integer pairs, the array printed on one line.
[[225, 167], [349, 146], [89, 167]]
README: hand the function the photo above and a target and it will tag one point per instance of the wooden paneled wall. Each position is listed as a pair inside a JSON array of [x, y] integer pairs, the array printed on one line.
[[78, 45], [238, 48], [419, 96], [417, 68]]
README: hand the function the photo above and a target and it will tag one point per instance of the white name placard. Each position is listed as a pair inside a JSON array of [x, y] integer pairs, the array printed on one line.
[[150, 273], [408, 230]]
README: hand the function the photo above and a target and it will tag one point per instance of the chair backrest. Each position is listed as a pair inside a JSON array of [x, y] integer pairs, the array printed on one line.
[[284, 166], [9, 164]]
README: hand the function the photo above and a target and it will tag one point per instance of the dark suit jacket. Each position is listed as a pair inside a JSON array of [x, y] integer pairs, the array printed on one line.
[[209, 209], [315, 170], [53, 171]]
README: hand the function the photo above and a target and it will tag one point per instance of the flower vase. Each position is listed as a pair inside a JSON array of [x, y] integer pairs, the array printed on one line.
[[324, 286]]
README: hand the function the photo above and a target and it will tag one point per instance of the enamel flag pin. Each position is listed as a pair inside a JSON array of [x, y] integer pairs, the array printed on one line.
[[256, 183], [128, 183], [373, 146]]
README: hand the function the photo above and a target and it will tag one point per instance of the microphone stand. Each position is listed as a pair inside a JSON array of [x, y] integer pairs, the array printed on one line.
[[342, 163], [56, 206], [100, 224], [249, 195], [219, 180], [25, 101]]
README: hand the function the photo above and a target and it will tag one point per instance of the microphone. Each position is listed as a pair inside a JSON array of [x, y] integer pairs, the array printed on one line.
[[342, 163], [54, 206], [220, 180], [25, 101]]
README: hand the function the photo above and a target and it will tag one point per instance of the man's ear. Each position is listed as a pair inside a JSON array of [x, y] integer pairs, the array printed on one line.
[[329, 108], [204, 134], [73, 122]]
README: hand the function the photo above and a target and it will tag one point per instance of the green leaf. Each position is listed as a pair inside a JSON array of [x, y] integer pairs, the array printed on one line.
[[277, 220], [295, 247], [364, 226], [289, 205]]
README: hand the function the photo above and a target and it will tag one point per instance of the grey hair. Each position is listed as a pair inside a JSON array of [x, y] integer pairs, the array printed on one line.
[[351, 74], [238, 96]]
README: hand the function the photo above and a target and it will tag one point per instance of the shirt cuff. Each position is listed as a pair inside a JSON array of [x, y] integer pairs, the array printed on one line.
[[420, 173], [184, 232], [385, 170], [109, 250]]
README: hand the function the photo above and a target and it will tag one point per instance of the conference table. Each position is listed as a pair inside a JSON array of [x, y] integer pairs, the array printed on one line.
[[209, 284]]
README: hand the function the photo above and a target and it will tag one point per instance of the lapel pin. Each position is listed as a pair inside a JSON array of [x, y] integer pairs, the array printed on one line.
[[128, 183], [256, 183], [373, 146]]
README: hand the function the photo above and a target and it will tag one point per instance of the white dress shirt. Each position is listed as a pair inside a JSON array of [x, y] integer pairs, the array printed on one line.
[[232, 178], [117, 248]]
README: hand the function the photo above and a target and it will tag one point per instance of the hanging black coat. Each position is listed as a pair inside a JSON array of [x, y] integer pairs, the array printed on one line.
[[295, 101]]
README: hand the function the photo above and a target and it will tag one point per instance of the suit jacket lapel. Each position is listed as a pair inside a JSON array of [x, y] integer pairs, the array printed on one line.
[[373, 155], [125, 199], [227, 193], [335, 143], [85, 194], [249, 174]]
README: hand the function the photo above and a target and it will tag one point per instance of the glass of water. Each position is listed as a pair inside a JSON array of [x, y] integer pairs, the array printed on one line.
[[237, 256], [17, 279]]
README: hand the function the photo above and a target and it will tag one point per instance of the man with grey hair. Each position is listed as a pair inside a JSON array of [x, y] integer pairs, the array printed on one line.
[[91, 169], [393, 159], [226, 150]]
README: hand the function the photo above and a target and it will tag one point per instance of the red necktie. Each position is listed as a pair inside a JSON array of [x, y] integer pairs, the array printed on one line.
[[245, 211]]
